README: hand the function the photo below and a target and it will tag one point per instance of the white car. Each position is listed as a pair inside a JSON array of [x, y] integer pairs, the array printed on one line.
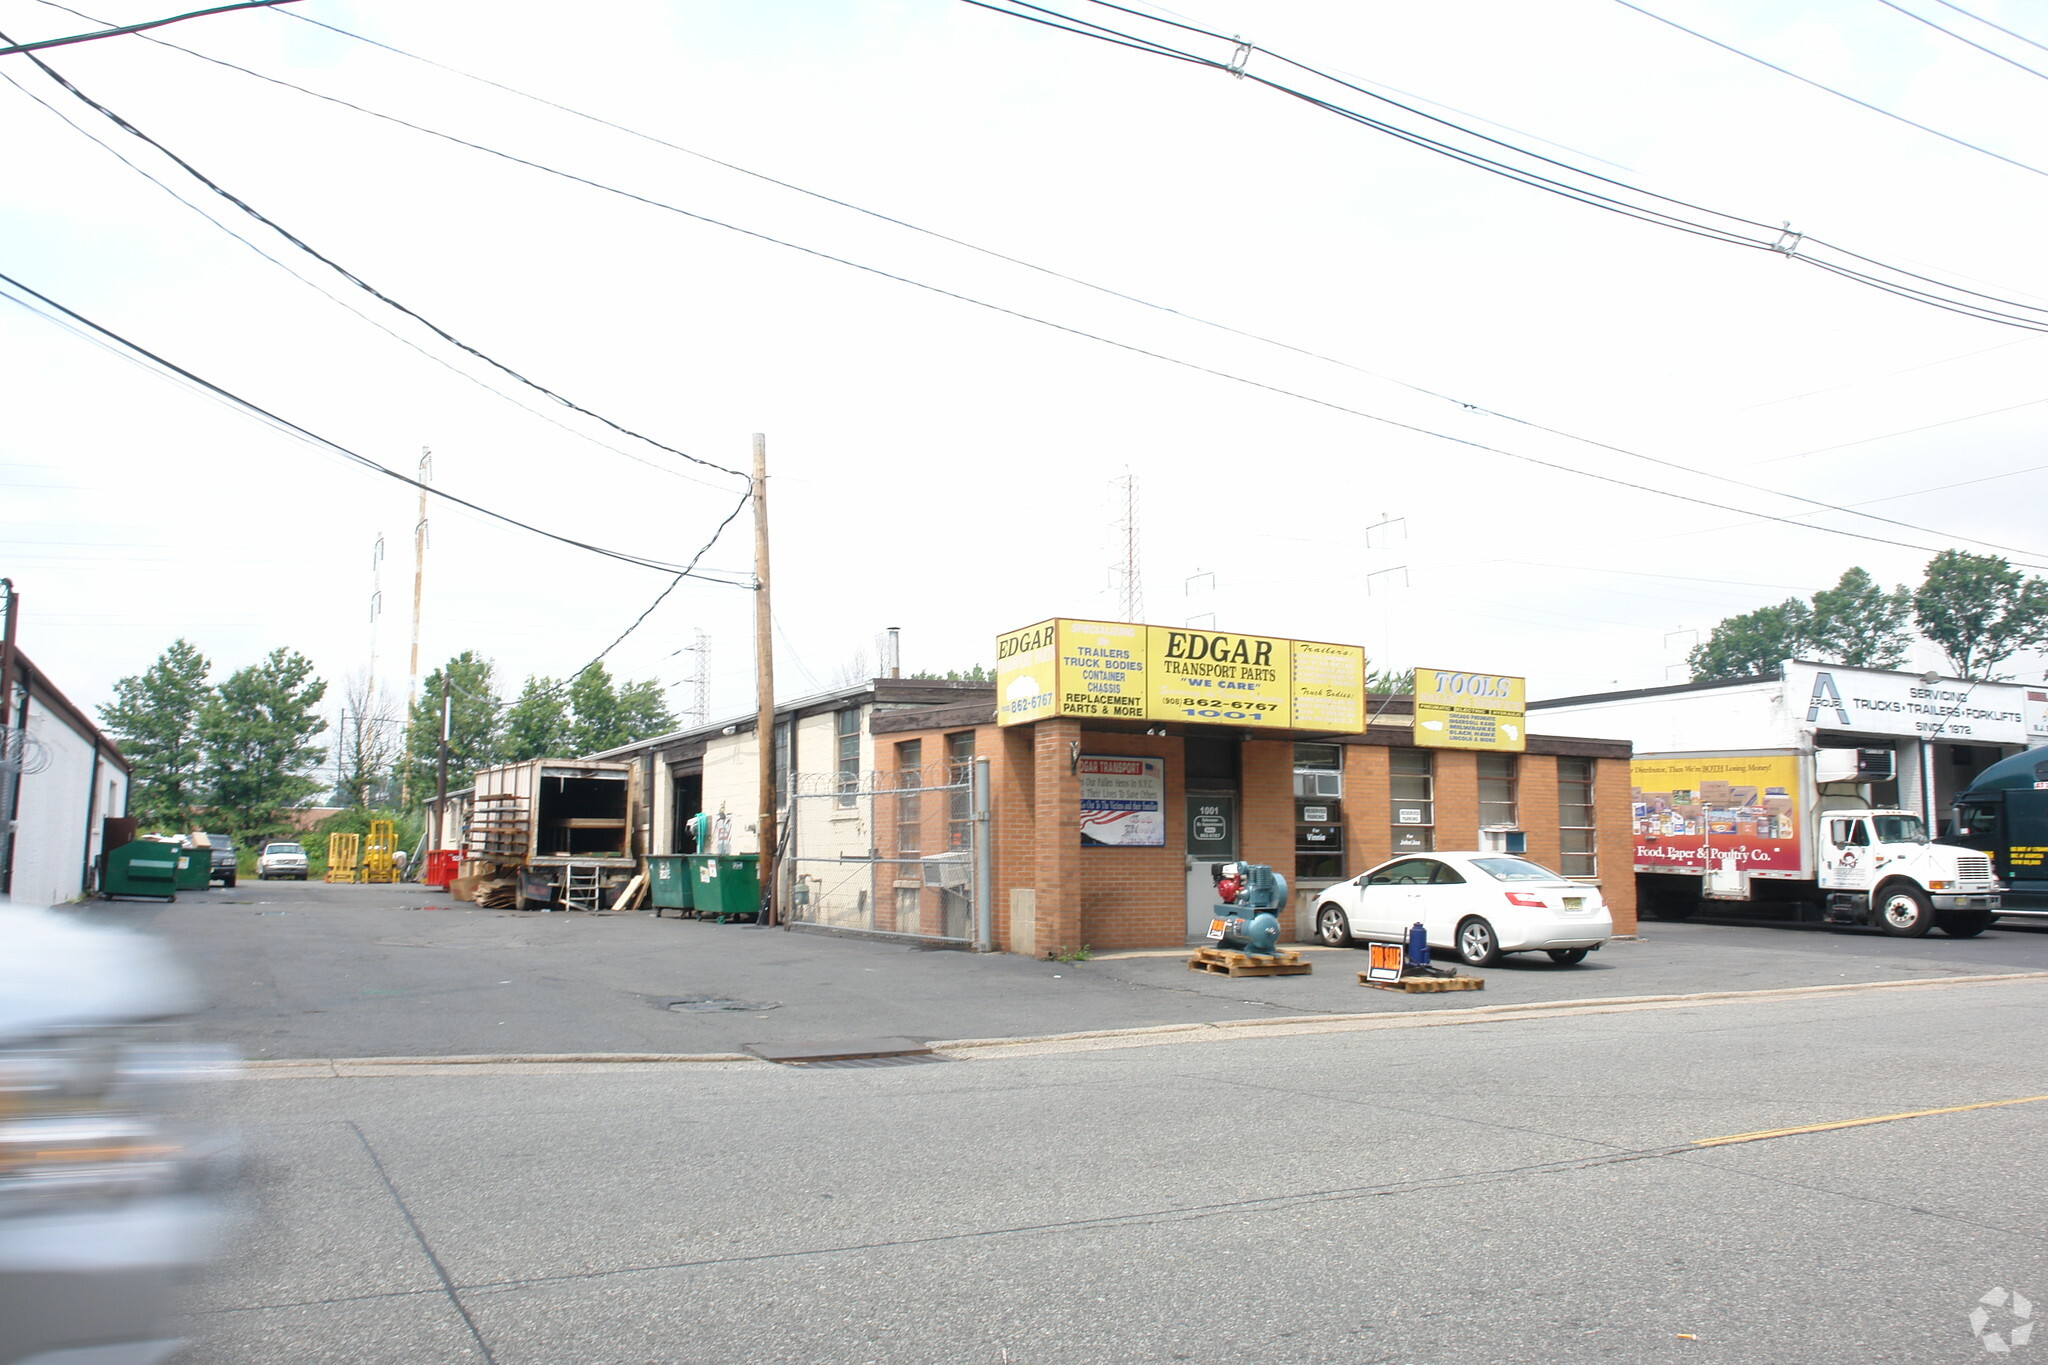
[[281, 860], [1478, 905]]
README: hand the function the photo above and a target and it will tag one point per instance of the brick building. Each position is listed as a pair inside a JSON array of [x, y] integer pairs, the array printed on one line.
[[1316, 806]]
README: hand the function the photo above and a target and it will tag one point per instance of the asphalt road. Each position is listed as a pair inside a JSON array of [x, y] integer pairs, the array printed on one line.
[[309, 970], [1525, 1189]]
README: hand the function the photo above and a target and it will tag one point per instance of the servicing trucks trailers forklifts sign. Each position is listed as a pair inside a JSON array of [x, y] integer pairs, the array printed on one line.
[[1121, 671]]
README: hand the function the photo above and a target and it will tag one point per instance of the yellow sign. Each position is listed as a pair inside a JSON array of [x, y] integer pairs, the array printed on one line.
[[1469, 711], [1118, 671]]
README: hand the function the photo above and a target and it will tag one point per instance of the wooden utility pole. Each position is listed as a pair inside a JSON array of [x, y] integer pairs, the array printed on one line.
[[764, 687]]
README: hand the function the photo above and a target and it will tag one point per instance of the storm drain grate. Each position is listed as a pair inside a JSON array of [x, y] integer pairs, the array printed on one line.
[[714, 1004], [864, 1063]]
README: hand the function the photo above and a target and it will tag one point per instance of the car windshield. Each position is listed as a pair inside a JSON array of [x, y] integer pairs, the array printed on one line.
[[284, 848], [1515, 870], [1899, 829]]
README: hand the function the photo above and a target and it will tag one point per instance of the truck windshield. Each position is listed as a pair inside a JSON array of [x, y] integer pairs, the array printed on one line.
[[1899, 829]]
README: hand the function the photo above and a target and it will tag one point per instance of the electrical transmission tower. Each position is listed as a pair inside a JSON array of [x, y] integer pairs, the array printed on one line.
[[1127, 577], [699, 709]]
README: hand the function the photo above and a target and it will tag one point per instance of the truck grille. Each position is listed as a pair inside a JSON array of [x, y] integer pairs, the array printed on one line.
[[1973, 869]]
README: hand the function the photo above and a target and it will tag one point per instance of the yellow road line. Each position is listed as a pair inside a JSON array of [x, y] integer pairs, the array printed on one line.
[[1858, 1123]]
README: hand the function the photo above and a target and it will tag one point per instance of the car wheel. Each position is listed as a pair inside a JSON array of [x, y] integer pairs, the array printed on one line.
[[1965, 923], [1569, 957], [1477, 945], [1904, 911], [1332, 927]]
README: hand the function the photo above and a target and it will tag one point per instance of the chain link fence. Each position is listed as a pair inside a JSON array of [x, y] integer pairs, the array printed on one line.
[[889, 852]]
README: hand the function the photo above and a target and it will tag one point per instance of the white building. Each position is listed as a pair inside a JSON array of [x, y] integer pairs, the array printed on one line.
[[69, 778], [1942, 731]]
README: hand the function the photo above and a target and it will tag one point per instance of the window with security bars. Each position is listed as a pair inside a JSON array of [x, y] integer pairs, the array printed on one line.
[[910, 805], [1496, 790], [1577, 840], [1411, 782], [959, 801], [846, 732]]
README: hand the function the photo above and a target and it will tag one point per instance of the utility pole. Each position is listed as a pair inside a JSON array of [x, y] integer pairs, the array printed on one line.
[[10, 778], [412, 678], [441, 771], [764, 686]]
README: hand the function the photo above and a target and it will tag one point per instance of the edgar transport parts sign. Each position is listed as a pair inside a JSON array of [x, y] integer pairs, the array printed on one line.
[[1120, 671]]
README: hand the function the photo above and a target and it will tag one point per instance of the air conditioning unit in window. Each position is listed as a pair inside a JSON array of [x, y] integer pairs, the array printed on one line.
[[1327, 786], [1503, 839]]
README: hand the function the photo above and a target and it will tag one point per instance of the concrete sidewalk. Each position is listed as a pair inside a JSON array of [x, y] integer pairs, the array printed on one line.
[[356, 971]]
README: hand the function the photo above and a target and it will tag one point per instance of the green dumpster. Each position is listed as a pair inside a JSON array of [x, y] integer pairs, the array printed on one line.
[[195, 868], [728, 885], [145, 867], [669, 885]]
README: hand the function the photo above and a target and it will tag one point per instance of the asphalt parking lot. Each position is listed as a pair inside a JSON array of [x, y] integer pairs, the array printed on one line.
[[310, 970]]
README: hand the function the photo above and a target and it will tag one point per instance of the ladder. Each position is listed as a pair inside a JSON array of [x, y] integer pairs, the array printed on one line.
[[580, 886]]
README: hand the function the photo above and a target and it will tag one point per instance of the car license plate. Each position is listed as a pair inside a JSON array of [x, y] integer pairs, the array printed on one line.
[[1574, 902], [1215, 928]]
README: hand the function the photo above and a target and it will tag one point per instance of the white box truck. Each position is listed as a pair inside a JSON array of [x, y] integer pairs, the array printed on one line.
[[1784, 826]]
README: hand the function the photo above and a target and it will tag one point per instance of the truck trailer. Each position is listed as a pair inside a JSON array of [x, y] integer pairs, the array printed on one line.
[[1797, 829], [564, 827]]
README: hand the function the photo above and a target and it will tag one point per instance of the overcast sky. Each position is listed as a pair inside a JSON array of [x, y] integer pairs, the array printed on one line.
[[950, 468]]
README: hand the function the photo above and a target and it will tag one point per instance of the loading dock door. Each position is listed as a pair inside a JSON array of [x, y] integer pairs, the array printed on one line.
[[1212, 839]]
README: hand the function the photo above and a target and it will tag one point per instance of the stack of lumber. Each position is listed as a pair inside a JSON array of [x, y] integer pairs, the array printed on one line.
[[498, 827]]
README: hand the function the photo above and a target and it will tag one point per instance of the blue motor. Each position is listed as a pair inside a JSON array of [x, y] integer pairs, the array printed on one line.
[[1252, 894]]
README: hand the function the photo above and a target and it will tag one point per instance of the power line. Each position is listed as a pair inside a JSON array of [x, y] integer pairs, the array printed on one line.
[[1792, 245], [340, 302], [1167, 358], [1460, 403], [315, 438], [136, 28], [1804, 80], [1990, 51], [1967, 15], [353, 278]]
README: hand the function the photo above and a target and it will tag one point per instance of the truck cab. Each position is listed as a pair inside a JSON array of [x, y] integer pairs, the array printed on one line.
[[1879, 867], [2003, 815]]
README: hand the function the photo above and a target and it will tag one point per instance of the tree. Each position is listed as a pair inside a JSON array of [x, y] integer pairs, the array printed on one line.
[[1980, 611], [155, 718], [974, 674], [257, 730], [1856, 623], [370, 741], [537, 724], [1387, 682], [474, 710], [643, 711]]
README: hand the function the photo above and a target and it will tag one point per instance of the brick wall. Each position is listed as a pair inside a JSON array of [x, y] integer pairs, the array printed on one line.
[[1056, 814], [1616, 841], [1135, 897]]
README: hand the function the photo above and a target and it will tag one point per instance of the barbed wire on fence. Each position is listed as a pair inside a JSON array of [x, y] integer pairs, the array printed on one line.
[[939, 775]]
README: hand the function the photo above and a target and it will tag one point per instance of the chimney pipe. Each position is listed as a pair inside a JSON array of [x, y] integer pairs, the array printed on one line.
[[895, 651]]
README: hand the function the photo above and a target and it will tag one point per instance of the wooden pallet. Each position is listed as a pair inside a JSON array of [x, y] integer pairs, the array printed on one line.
[[1418, 985], [1225, 962]]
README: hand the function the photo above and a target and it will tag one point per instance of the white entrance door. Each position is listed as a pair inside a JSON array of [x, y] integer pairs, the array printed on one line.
[[1212, 839]]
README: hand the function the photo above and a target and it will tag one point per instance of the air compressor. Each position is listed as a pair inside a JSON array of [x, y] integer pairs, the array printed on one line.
[[1251, 896]]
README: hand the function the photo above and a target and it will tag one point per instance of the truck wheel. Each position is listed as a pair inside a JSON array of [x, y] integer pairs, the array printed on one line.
[[1332, 927], [1965, 923], [1903, 911], [230, 883]]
